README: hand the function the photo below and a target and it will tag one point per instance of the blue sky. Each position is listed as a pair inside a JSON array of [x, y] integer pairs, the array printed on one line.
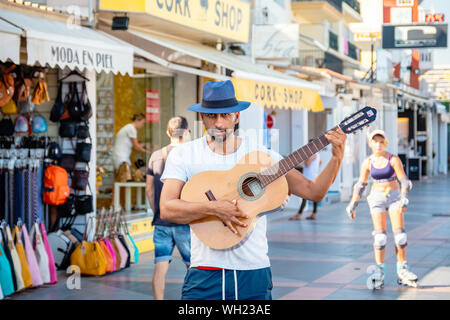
[[441, 56]]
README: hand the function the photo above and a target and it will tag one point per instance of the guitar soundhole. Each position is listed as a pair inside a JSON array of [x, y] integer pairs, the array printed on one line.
[[250, 187]]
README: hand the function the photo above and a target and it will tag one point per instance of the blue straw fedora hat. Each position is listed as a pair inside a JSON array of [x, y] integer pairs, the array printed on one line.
[[219, 97]]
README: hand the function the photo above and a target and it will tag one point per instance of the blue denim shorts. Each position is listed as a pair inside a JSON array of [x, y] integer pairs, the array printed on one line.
[[166, 238]]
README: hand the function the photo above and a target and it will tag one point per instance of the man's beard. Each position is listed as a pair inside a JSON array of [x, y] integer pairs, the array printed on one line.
[[219, 138]]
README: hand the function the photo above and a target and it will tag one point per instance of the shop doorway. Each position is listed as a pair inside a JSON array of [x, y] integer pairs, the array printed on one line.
[[119, 97]]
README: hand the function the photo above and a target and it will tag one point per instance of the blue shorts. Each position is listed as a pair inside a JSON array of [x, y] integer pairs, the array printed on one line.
[[165, 238], [208, 284]]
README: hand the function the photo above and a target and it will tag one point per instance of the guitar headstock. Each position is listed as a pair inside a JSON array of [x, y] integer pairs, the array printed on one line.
[[358, 120]]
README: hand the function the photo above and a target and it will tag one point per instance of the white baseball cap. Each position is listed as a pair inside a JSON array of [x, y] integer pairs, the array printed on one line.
[[377, 132]]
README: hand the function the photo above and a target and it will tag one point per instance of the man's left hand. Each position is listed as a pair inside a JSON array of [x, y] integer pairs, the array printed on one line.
[[337, 140]]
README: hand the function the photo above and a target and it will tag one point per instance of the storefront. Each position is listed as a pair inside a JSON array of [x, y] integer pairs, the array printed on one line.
[[43, 42], [415, 134]]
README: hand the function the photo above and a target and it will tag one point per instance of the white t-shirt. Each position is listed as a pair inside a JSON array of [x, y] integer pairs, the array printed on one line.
[[310, 172], [123, 145], [193, 157]]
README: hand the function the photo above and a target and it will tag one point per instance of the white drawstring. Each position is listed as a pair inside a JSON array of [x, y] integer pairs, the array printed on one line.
[[223, 284], [235, 286]]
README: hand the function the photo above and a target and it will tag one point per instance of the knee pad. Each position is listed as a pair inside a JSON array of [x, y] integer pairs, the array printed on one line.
[[400, 238], [379, 239]]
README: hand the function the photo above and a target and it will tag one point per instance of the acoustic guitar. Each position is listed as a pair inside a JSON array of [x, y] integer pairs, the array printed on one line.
[[257, 183]]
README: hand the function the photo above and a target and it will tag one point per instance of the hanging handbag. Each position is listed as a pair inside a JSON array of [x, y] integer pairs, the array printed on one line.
[[6, 127], [22, 88], [126, 239], [6, 279], [80, 179], [83, 131], [10, 108], [40, 94], [53, 151], [66, 209], [116, 252], [110, 262], [31, 258], [39, 124], [136, 249], [17, 240], [88, 256], [86, 108], [67, 162], [67, 129], [16, 261], [112, 242], [62, 247], [51, 259], [84, 204], [8, 253], [58, 107], [111, 250], [83, 152], [124, 254], [67, 101], [6, 85], [25, 107], [41, 254], [75, 107], [109, 259]]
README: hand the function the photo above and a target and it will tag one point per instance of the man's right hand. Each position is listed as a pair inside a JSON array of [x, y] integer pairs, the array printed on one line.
[[228, 212]]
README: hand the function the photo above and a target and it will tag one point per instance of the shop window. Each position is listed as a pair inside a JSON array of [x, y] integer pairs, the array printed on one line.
[[118, 98]]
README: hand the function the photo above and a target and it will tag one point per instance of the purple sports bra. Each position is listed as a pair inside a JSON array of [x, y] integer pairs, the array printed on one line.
[[383, 173]]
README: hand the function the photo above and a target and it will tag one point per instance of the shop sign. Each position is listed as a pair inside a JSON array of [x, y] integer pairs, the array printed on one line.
[[434, 17], [152, 106], [366, 36], [269, 121], [81, 56], [275, 41], [226, 18], [415, 35], [271, 95], [405, 3]]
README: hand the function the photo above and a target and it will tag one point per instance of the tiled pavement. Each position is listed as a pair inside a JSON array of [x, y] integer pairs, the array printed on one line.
[[322, 259]]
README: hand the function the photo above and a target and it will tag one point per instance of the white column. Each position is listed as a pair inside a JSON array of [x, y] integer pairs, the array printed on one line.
[[429, 144], [347, 161], [443, 147], [91, 88]]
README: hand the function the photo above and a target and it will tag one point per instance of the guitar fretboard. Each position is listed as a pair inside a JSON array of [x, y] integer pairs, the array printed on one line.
[[283, 166]]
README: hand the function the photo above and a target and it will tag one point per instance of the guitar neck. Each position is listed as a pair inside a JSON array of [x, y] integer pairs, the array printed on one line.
[[282, 167]]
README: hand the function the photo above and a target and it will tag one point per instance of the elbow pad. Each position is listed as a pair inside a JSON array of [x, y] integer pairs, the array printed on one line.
[[359, 188], [405, 183]]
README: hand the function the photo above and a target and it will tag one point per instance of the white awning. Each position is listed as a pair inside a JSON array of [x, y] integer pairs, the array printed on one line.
[[241, 65], [10, 42], [440, 108], [252, 81], [62, 44]]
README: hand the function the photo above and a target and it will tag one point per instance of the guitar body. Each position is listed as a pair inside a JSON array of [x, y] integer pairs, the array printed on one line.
[[236, 184]]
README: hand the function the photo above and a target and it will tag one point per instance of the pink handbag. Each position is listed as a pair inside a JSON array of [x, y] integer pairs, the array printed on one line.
[[51, 259], [31, 258], [111, 250], [123, 252]]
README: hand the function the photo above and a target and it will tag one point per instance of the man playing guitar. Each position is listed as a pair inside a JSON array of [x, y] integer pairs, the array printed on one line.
[[242, 271]]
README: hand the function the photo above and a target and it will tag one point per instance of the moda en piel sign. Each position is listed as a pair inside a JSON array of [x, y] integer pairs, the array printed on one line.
[[88, 58]]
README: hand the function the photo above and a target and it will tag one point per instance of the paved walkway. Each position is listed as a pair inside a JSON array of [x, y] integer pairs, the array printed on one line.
[[322, 259]]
